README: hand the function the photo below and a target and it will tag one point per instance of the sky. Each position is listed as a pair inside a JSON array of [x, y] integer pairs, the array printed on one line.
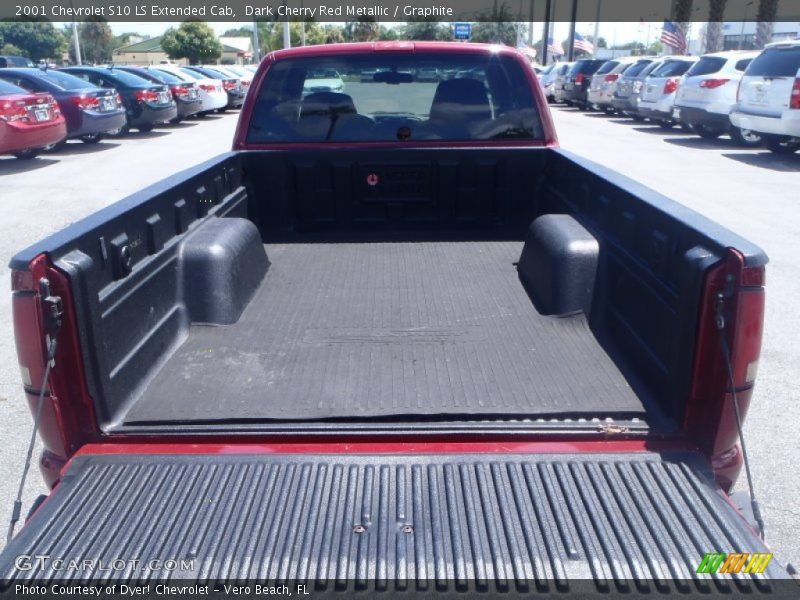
[[619, 33]]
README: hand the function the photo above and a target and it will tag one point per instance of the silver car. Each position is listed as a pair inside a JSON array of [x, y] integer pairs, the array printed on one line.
[[558, 92], [604, 83], [657, 100]]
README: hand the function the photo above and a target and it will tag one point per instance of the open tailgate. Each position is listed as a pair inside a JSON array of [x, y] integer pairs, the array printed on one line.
[[555, 523]]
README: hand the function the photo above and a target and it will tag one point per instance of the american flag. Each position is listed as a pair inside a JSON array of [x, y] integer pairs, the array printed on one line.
[[554, 48], [581, 43], [673, 36]]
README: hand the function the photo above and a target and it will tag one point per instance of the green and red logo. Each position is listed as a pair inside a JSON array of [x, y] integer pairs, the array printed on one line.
[[734, 562]]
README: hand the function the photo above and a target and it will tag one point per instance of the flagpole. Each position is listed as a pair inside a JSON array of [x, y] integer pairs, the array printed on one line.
[[546, 32]]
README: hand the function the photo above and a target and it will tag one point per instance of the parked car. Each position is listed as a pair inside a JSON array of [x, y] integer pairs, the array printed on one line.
[[29, 122], [558, 92], [15, 61], [245, 75], [212, 95], [628, 85], [707, 94], [322, 80], [147, 104], [90, 111], [428, 74], [657, 97], [231, 85], [768, 99], [185, 93], [576, 85], [604, 83]]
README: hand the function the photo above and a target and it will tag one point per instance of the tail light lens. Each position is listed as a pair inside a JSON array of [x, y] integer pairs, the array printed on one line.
[[671, 85], [794, 99], [13, 110], [612, 77], [637, 87], [228, 85], [86, 102], [208, 87], [145, 96], [579, 78], [713, 83], [179, 91], [119, 100], [710, 416]]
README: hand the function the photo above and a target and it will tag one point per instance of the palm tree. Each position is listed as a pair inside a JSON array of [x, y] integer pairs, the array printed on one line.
[[683, 15], [767, 9], [716, 10]]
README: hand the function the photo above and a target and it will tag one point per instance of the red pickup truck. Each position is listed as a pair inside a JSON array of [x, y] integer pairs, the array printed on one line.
[[396, 340]]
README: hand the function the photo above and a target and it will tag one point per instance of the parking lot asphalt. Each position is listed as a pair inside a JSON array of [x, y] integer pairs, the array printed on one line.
[[750, 191]]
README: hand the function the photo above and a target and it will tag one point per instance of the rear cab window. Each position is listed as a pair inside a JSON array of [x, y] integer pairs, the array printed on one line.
[[379, 98], [706, 66], [776, 62]]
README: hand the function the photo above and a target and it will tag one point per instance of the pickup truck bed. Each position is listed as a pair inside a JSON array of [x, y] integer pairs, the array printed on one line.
[[357, 330]]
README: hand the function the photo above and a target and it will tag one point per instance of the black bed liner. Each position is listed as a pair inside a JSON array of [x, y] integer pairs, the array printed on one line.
[[366, 330], [610, 522]]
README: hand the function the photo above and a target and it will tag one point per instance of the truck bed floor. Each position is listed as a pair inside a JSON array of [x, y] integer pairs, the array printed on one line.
[[358, 330]]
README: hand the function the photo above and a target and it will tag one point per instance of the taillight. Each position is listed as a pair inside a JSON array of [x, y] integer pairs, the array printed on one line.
[[145, 96], [670, 85], [119, 100], [794, 99], [637, 87], [612, 76], [208, 87], [713, 83], [67, 416], [13, 110], [579, 78], [86, 102], [228, 85], [734, 296], [179, 91]]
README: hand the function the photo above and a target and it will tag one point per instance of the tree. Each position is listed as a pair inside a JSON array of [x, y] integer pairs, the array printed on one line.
[[36, 38], [363, 30], [239, 32], [270, 34], [496, 26], [425, 30], [194, 41], [11, 50], [124, 39], [97, 40], [334, 34], [765, 16], [601, 42], [716, 10], [388, 34]]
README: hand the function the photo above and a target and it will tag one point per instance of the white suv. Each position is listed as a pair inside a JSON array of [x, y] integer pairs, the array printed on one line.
[[707, 95], [768, 100]]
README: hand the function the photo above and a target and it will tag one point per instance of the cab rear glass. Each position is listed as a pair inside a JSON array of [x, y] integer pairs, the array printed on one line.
[[775, 62], [383, 98]]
